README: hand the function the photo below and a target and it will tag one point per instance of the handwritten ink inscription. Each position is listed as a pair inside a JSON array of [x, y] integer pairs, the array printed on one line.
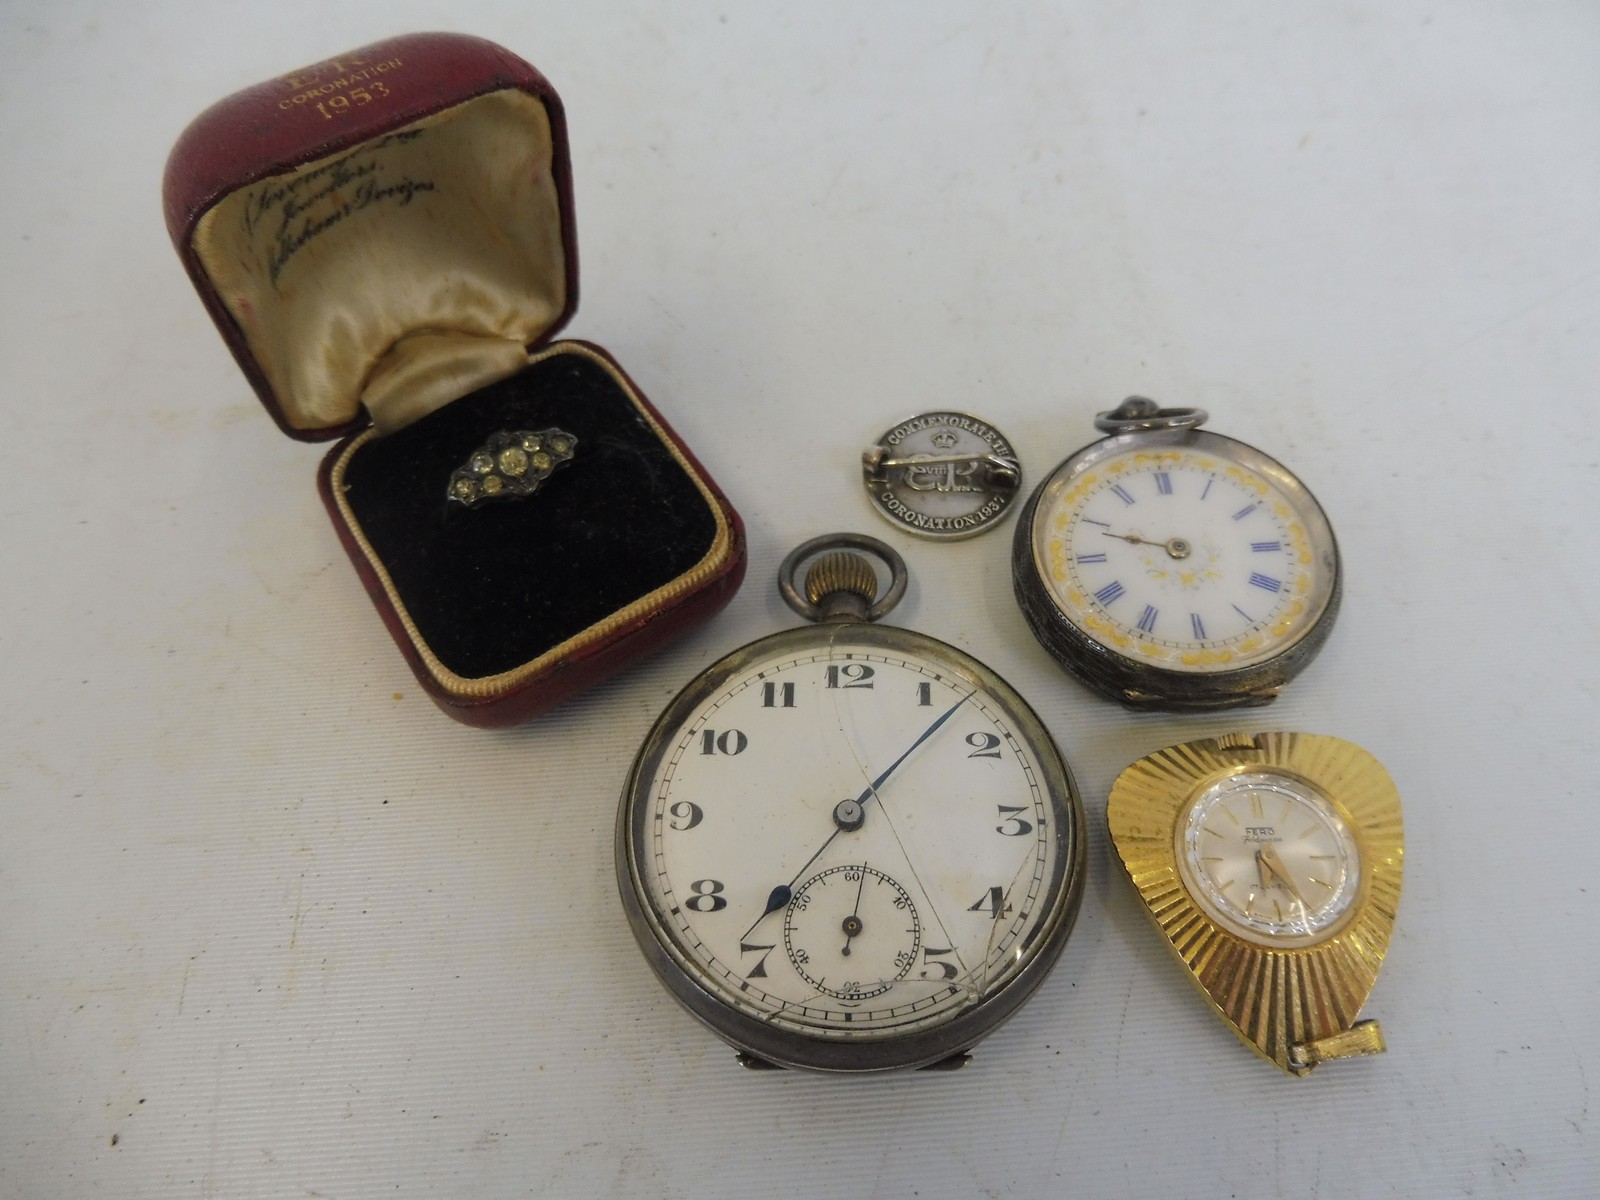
[[288, 215]]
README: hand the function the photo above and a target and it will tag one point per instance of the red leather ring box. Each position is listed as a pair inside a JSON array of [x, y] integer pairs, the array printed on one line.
[[385, 241]]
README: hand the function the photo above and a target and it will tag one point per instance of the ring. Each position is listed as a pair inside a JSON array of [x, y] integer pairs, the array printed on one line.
[[510, 465]]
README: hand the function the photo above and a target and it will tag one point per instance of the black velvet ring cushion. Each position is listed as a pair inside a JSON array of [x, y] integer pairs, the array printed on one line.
[[490, 589]]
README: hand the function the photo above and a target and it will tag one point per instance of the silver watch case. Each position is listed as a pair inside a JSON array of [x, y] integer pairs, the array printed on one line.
[[1140, 685]]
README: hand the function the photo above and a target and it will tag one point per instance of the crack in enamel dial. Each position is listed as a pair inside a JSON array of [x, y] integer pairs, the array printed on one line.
[[850, 848], [1178, 569]]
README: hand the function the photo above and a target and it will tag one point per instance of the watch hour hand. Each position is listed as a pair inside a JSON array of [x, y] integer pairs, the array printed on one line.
[[1268, 857], [779, 897]]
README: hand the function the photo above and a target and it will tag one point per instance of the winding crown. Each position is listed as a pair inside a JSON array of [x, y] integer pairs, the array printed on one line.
[[841, 571]]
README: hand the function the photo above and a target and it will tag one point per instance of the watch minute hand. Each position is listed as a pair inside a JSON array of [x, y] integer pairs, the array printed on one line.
[[872, 788], [1175, 547]]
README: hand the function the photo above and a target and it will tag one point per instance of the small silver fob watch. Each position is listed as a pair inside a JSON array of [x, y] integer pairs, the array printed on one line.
[[1168, 567], [849, 847]]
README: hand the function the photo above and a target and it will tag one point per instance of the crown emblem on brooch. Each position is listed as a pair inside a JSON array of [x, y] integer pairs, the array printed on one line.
[[944, 439]]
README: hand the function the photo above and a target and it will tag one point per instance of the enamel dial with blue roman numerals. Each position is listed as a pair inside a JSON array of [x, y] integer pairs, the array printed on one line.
[[850, 847], [1175, 568]]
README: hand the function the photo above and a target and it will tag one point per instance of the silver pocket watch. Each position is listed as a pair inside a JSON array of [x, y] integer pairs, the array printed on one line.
[[849, 847], [1168, 567]]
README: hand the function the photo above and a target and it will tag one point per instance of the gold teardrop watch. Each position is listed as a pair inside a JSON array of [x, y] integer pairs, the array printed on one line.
[[1272, 865], [1168, 567], [849, 847]]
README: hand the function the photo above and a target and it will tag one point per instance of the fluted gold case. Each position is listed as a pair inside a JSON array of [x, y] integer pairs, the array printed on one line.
[[1295, 1005]]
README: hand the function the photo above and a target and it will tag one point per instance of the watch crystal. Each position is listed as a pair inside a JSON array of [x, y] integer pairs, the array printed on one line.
[[1181, 558], [1269, 857]]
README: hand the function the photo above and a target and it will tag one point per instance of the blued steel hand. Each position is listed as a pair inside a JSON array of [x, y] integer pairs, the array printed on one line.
[[848, 814]]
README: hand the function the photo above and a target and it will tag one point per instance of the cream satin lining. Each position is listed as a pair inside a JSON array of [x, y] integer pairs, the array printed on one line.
[[400, 274]]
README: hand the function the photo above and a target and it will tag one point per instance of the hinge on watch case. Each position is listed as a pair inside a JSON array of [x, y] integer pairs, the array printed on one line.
[[1360, 1040], [1143, 701], [955, 1062]]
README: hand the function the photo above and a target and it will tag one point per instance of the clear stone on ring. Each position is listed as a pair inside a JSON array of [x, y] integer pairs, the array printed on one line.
[[510, 464]]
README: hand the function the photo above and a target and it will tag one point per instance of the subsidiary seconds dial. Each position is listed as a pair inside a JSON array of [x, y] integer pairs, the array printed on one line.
[[879, 929]]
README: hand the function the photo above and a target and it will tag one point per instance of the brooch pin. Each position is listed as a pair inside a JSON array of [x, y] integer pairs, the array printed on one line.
[[942, 475], [510, 465]]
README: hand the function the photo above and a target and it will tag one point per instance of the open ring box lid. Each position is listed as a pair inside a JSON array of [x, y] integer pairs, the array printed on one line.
[[385, 241]]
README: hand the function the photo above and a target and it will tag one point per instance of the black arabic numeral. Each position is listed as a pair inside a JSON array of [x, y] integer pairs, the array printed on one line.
[[777, 695], [986, 745], [707, 897], [1012, 825], [851, 675], [688, 812], [760, 971], [947, 970], [992, 902], [729, 742]]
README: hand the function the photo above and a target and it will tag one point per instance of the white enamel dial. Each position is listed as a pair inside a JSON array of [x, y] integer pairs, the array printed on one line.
[[1268, 857], [1184, 559], [850, 833]]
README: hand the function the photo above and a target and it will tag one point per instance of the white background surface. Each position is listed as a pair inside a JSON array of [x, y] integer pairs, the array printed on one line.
[[270, 925]]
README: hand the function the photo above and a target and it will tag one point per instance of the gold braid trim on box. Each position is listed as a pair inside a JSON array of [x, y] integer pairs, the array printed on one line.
[[489, 687]]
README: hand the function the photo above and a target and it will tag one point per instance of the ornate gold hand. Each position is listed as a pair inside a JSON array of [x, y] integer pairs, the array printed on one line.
[[1176, 547]]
